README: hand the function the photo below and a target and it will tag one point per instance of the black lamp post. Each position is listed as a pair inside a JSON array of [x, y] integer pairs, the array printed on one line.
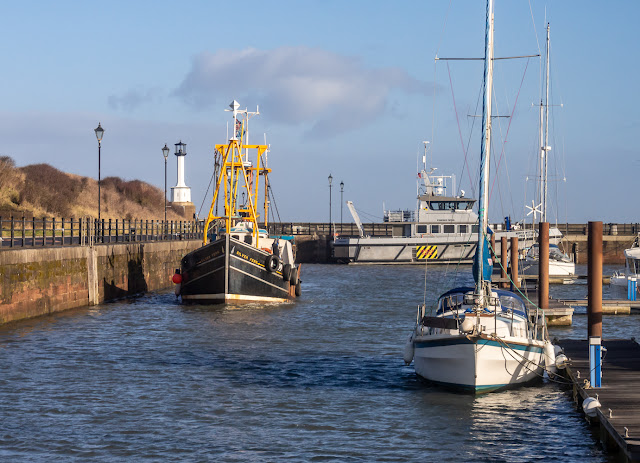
[[99, 132], [341, 203], [165, 153], [330, 180]]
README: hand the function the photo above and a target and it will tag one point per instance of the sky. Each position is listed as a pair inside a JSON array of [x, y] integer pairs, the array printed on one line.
[[349, 89]]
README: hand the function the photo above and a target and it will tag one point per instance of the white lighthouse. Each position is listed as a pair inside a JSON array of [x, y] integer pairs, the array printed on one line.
[[181, 193]]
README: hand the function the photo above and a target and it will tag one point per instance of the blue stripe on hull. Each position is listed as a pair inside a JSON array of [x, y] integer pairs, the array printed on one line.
[[484, 342]]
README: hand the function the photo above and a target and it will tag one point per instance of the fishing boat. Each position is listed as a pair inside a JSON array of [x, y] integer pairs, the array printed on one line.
[[481, 339], [560, 264], [238, 260]]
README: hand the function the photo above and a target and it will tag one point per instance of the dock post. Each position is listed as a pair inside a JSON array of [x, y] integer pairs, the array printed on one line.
[[513, 259], [543, 265], [632, 288], [594, 303], [504, 259]]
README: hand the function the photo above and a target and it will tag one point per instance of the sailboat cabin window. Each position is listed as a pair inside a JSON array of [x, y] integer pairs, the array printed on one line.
[[474, 228], [421, 229], [463, 229], [435, 229], [449, 228]]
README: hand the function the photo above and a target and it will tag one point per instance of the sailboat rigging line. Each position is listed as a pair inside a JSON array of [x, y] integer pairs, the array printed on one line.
[[459, 129], [513, 110], [214, 175]]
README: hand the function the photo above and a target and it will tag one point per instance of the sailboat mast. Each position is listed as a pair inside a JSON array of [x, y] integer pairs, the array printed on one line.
[[546, 133], [485, 148]]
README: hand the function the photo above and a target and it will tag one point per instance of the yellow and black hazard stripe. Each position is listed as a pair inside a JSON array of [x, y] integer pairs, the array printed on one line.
[[427, 252]]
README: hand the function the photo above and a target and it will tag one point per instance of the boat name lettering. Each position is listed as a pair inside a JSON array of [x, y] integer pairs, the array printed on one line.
[[250, 259]]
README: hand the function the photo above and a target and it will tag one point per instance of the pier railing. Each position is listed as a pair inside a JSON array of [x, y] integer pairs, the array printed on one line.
[[397, 228], [34, 232]]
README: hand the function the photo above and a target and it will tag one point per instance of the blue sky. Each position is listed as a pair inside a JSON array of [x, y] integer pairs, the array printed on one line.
[[347, 88]]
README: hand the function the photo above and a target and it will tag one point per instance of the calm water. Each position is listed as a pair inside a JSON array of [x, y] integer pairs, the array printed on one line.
[[317, 380]]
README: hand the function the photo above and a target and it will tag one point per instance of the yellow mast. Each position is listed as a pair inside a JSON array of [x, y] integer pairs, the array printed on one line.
[[238, 174]]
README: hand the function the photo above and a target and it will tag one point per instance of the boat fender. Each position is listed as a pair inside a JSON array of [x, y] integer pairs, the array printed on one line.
[[557, 350], [591, 406], [286, 272], [468, 324], [271, 263], [407, 354], [298, 289], [549, 358], [561, 362], [294, 276], [177, 289]]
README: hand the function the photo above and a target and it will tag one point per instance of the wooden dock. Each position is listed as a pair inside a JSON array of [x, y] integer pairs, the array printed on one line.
[[618, 417]]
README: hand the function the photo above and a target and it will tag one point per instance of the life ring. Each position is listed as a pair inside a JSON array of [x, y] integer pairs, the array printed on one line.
[[286, 272], [266, 250], [271, 263]]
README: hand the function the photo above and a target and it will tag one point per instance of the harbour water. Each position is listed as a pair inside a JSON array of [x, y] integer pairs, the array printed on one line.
[[321, 379]]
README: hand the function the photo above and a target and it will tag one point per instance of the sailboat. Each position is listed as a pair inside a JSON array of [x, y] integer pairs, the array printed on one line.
[[238, 260], [480, 339], [560, 264]]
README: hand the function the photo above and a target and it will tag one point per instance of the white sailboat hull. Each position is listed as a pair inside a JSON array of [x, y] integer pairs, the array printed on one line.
[[556, 268], [478, 364]]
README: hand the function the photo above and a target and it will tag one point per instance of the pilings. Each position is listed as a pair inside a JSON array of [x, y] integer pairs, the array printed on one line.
[[504, 261], [514, 261]]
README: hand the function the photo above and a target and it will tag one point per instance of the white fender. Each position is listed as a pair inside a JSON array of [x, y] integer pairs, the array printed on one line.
[[549, 358], [591, 406], [467, 324], [561, 362], [177, 289], [407, 354]]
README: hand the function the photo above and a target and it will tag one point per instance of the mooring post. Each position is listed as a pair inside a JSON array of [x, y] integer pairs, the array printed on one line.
[[594, 302], [513, 259], [504, 259], [632, 288], [543, 265]]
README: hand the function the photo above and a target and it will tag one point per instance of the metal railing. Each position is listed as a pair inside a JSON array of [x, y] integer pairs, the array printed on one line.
[[387, 228], [33, 232]]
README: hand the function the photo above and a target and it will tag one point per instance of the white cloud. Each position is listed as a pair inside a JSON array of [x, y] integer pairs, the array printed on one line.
[[324, 91]]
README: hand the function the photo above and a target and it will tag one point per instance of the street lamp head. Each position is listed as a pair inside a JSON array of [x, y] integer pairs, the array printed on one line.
[[330, 179], [341, 186], [165, 151], [99, 132]]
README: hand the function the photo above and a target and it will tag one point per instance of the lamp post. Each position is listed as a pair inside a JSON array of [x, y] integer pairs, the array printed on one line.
[[99, 132], [165, 153], [330, 180], [341, 203]]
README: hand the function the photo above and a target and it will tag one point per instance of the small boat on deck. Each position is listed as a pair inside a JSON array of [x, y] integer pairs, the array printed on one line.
[[238, 260]]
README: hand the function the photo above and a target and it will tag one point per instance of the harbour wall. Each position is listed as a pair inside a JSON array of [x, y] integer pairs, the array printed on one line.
[[43, 281]]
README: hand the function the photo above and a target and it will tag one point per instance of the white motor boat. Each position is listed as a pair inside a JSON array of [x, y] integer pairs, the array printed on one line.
[[631, 265], [481, 339], [560, 264]]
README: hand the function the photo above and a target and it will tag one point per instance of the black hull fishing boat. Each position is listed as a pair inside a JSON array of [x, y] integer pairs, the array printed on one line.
[[238, 260]]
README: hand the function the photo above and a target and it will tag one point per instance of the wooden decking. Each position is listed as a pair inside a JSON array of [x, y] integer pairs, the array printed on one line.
[[619, 415]]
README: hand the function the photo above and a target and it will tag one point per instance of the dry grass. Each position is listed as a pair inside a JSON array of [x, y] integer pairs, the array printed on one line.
[[43, 190]]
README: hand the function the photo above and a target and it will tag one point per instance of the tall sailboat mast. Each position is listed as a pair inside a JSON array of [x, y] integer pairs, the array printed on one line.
[[546, 146], [483, 208]]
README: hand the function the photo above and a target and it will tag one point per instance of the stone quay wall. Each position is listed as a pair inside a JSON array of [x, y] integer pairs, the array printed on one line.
[[42, 281]]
